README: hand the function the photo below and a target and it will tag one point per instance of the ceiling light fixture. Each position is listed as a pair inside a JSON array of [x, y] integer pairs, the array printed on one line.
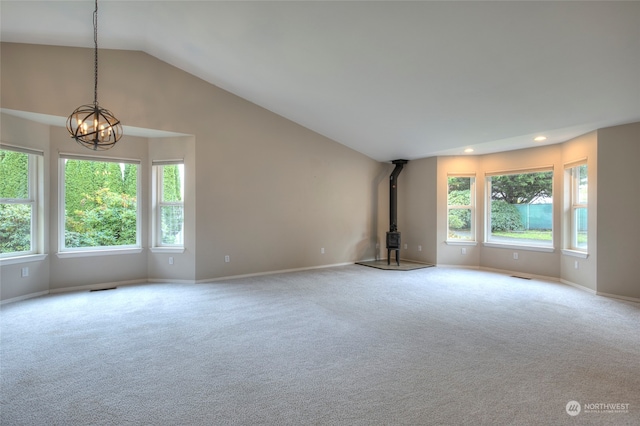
[[540, 138], [468, 150], [90, 125]]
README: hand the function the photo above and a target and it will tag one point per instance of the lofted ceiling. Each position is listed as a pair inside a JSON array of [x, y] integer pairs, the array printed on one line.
[[390, 79]]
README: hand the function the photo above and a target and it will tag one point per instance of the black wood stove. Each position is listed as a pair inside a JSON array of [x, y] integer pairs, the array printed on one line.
[[393, 236]]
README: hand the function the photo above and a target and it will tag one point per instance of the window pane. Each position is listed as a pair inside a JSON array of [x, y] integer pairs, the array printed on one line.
[[14, 175], [172, 183], [581, 172], [459, 193], [460, 224], [522, 208], [15, 228], [581, 228], [172, 225], [100, 203]]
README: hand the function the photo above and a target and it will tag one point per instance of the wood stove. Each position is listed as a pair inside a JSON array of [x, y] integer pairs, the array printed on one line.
[[393, 236]]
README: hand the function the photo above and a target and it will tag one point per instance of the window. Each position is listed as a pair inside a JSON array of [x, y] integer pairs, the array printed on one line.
[[99, 208], [19, 201], [460, 208], [520, 207], [169, 209], [578, 197]]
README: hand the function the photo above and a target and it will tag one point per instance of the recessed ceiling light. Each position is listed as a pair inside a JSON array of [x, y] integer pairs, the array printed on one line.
[[468, 150], [540, 138]]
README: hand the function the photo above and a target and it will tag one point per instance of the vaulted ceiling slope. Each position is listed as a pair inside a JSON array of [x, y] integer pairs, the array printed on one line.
[[389, 79]]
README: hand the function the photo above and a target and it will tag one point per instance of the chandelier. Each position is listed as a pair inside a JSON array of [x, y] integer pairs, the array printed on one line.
[[90, 125]]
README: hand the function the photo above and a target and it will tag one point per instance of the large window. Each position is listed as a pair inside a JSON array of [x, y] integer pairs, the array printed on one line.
[[169, 208], [99, 208], [19, 201], [520, 208], [460, 208], [578, 197]]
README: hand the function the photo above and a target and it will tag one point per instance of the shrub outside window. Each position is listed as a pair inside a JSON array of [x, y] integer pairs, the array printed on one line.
[[99, 203], [18, 202], [520, 208], [170, 204], [460, 208], [579, 203]]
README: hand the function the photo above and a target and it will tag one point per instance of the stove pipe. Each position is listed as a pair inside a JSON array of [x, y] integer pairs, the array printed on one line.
[[393, 195]]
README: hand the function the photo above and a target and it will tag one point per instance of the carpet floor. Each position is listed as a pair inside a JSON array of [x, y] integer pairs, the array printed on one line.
[[340, 346]]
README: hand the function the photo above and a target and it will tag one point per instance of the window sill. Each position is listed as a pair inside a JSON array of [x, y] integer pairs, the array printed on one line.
[[575, 253], [22, 259], [520, 247], [461, 243], [166, 249], [106, 252]]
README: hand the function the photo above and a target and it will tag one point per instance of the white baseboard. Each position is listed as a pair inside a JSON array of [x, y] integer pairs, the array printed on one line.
[[170, 281], [25, 297], [99, 286], [521, 274], [615, 296], [281, 271], [578, 286], [446, 265]]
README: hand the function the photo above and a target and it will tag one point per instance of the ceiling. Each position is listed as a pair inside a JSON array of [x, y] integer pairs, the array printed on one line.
[[389, 79]]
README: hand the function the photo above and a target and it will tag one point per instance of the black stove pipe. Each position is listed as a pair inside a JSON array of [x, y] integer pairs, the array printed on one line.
[[393, 194]]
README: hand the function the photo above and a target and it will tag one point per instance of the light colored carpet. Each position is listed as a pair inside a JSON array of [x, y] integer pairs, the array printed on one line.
[[341, 346]]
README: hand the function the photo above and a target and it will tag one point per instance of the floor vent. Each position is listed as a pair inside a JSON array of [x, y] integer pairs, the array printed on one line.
[[522, 278], [103, 289]]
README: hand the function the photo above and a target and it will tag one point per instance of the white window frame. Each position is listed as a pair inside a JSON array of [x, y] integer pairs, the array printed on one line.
[[524, 245], [64, 252], [35, 170], [471, 207], [574, 202], [158, 202]]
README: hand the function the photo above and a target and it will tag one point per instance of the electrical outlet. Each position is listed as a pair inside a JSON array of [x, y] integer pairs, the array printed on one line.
[[515, 255], [463, 250], [322, 250], [576, 264], [419, 248], [170, 260], [377, 245], [227, 259], [24, 272], [405, 246]]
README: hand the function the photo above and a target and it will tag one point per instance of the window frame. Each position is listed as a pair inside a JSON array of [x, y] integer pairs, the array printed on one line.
[[35, 184], [158, 202], [64, 251], [523, 244], [471, 207], [573, 171]]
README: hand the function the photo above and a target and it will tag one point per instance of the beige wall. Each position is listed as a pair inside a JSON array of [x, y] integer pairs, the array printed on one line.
[[24, 133], [578, 270], [618, 211], [270, 193], [452, 254], [417, 210], [429, 176], [266, 191], [529, 262]]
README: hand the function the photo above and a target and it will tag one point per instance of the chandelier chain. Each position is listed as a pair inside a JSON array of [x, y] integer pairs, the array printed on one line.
[[95, 42]]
